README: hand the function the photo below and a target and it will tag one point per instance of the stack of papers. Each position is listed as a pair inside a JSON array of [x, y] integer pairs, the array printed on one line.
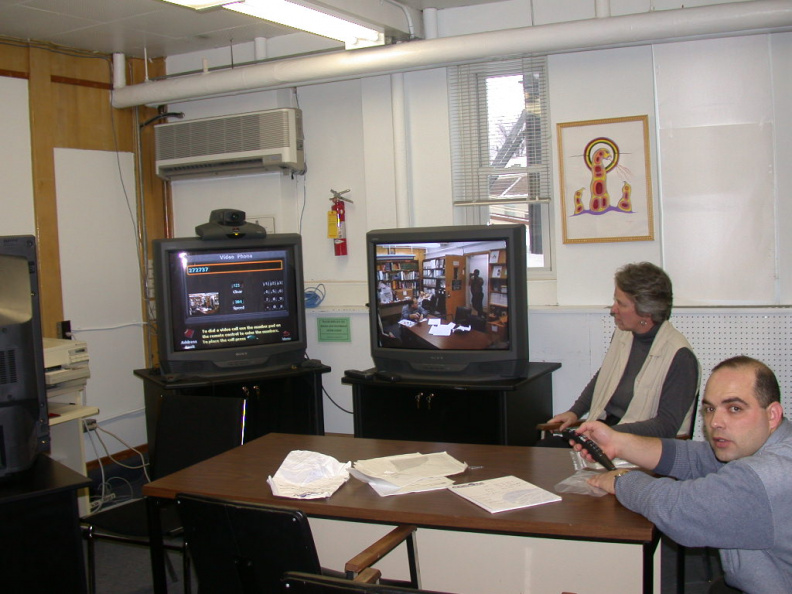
[[408, 473], [441, 329], [308, 475], [504, 493]]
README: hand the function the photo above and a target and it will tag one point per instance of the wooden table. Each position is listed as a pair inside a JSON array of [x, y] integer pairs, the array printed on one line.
[[420, 334], [241, 474]]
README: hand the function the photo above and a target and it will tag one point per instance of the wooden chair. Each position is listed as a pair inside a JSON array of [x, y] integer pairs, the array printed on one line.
[[305, 583], [245, 548], [189, 429]]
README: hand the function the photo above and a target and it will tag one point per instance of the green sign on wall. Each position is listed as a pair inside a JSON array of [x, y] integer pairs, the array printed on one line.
[[334, 329]]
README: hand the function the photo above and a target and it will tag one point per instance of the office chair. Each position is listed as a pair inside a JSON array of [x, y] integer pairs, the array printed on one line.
[[189, 429], [245, 548], [295, 582], [462, 315], [478, 323]]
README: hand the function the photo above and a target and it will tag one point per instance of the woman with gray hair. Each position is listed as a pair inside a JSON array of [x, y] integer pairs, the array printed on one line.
[[649, 380]]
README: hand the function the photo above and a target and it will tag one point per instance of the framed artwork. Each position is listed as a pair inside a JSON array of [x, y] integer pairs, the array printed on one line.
[[606, 185]]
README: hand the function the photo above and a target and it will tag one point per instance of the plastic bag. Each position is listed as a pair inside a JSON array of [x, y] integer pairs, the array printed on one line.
[[577, 483]]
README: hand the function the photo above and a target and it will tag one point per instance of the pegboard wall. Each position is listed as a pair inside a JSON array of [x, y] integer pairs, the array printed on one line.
[[764, 334]]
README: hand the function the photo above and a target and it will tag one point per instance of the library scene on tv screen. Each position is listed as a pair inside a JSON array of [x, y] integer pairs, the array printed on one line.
[[451, 295]]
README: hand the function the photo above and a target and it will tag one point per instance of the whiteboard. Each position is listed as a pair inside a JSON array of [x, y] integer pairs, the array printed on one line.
[[99, 272]]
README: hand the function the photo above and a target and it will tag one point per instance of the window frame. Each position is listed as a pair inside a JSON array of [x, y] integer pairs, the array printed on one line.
[[471, 126]]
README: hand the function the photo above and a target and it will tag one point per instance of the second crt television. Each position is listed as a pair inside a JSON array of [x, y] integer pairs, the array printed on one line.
[[449, 303]]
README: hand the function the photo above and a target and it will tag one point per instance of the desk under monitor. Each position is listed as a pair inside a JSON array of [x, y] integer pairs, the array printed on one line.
[[420, 333], [598, 545]]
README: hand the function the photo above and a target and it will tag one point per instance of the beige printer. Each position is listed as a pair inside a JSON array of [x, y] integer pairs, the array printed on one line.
[[66, 374], [65, 366]]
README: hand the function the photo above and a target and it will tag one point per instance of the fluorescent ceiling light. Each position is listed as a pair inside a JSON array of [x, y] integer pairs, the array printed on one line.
[[199, 4], [298, 16]]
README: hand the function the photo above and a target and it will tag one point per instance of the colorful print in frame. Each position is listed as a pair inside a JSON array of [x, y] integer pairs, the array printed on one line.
[[606, 187]]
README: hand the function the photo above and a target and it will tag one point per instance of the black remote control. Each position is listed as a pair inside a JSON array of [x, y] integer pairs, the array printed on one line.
[[355, 374], [388, 376], [590, 446]]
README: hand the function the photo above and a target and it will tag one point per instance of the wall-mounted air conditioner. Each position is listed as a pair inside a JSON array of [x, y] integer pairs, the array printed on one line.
[[245, 143]]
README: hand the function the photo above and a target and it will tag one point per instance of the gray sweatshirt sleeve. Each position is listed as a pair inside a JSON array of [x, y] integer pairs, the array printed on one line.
[[708, 511]]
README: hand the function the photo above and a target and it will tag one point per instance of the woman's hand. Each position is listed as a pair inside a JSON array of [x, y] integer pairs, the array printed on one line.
[[565, 418]]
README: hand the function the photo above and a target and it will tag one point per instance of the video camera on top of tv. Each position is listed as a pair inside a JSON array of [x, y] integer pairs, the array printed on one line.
[[229, 223]]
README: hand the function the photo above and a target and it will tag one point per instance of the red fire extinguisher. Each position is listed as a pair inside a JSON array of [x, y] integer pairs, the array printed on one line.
[[336, 222]]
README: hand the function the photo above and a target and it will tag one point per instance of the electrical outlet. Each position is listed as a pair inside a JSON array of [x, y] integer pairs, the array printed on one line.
[[89, 425], [266, 221]]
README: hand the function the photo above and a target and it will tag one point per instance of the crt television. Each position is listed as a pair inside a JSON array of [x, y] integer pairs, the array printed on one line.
[[229, 306], [449, 302], [24, 423]]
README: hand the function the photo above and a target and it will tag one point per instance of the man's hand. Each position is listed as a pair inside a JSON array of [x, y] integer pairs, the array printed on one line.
[[605, 481], [642, 451], [604, 436]]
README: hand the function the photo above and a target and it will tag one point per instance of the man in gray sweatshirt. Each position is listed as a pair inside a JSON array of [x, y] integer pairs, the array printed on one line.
[[732, 492]]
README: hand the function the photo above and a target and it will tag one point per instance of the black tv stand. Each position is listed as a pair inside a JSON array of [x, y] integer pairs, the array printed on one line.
[[287, 400], [503, 412]]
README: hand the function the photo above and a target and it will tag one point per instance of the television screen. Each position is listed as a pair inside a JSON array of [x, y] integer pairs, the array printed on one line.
[[449, 300], [229, 305]]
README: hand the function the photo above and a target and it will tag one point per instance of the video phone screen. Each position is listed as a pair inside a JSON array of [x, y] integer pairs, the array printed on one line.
[[443, 295], [233, 298]]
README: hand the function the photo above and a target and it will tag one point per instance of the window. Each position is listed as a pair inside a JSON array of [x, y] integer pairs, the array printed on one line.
[[500, 134]]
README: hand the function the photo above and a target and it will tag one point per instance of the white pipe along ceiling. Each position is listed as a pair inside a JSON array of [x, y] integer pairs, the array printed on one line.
[[722, 20]]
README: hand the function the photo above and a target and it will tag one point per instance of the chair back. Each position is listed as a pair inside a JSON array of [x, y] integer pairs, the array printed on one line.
[[245, 548], [687, 432], [462, 315], [304, 583], [478, 323]]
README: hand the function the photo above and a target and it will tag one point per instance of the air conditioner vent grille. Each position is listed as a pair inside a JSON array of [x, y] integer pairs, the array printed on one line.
[[215, 136], [265, 140]]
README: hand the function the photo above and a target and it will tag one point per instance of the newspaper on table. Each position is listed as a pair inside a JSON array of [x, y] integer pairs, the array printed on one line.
[[408, 473], [308, 475]]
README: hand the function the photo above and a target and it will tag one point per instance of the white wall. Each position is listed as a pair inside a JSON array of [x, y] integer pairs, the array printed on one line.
[[720, 125], [16, 189], [714, 205], [590, 86]]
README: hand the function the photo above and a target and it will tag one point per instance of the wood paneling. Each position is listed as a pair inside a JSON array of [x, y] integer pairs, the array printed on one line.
[[43, 121], [70, 107], [13, 56]]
